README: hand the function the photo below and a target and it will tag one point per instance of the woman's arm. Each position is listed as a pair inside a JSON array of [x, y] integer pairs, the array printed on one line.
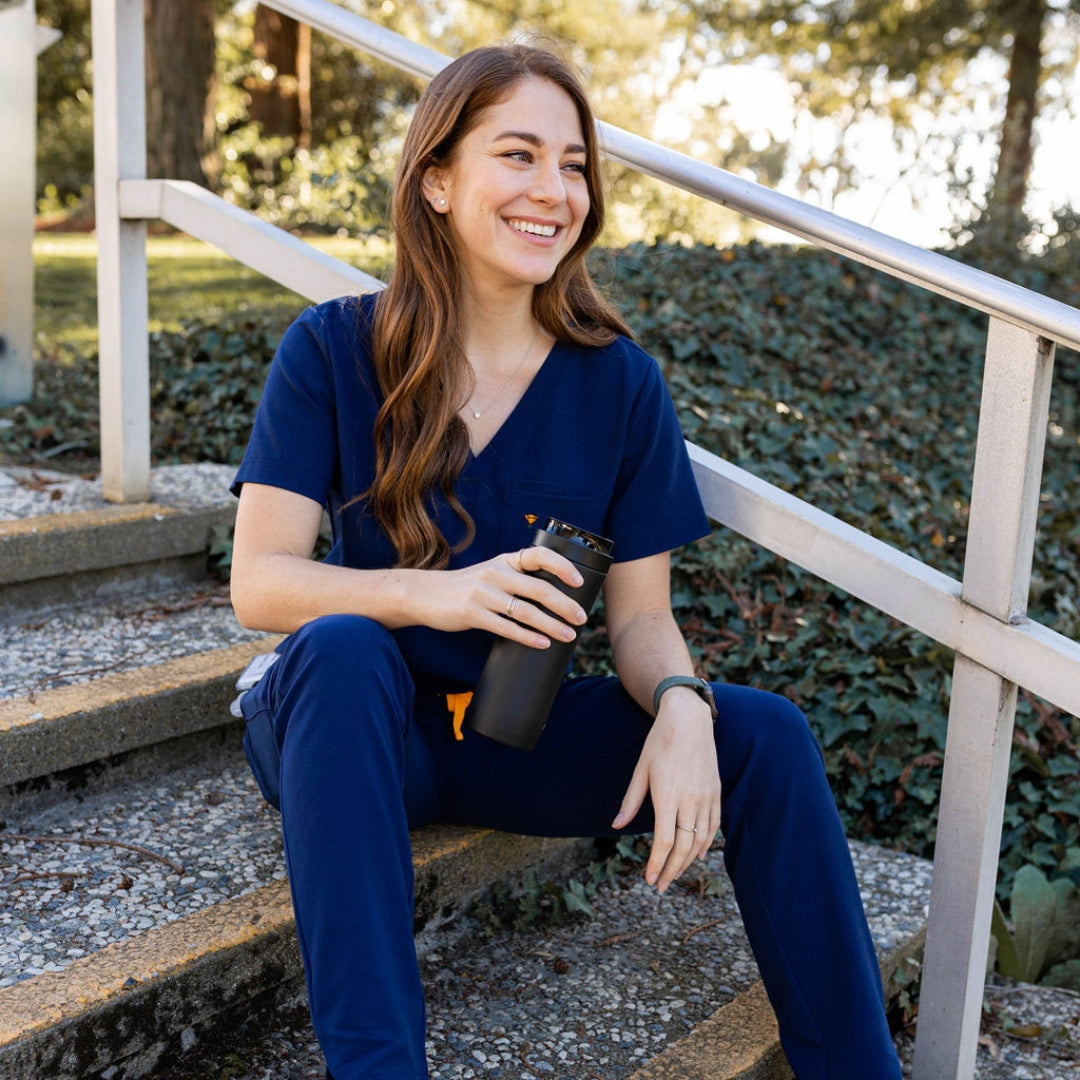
[[276, 586], [678, 765]]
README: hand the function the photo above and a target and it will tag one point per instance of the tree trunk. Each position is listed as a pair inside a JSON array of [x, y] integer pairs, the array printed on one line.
[[281, 101], [1015, 148], [179, 89]]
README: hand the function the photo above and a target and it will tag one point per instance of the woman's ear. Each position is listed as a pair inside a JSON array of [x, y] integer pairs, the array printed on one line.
[[434, 188]]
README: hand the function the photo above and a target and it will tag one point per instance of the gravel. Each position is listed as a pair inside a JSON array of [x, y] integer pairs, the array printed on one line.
[[202, 835], [596, 998], [31, 492], [61, 900], [75, 646], [45, 651]]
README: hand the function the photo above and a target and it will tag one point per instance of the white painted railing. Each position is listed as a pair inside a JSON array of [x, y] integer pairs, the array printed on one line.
[[983, 617]]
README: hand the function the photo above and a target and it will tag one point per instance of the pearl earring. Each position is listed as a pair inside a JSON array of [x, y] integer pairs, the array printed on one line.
[[442, 202]]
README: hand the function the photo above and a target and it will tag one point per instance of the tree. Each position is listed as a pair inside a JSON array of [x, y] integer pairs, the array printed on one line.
[[179, 89], [281, 92]]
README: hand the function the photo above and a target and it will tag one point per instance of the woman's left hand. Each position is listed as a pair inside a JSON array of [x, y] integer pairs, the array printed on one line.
[[678, 768]]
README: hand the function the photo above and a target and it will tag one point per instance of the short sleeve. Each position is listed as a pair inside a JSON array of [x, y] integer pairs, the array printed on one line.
[[294, 443], [655, 505]]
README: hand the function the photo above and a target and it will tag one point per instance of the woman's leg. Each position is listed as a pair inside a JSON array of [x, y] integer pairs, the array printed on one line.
[[784, 848], [790, 865], [341, 699]]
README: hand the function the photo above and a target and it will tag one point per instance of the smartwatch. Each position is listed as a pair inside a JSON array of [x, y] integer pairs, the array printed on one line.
[[700, 686]]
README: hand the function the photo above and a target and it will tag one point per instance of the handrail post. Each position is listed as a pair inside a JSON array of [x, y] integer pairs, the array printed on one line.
[[997, 572], [123, 344]]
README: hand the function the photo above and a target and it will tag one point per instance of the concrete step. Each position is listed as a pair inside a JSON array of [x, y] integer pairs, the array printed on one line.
[[144, 891], [135, 917], [115, 686], [65, 739], [61, 544], [648, 988]]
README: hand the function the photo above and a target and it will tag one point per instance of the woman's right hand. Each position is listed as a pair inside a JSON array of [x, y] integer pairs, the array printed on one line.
[[504, 596]]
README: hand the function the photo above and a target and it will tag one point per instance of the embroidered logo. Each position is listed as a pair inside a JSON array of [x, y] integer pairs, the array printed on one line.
[[531, 519]]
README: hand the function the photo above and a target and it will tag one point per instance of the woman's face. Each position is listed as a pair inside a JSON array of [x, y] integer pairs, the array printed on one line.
[[516, 191]]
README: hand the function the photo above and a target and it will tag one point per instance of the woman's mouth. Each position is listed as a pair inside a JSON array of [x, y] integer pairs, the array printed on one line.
[[531, 227]]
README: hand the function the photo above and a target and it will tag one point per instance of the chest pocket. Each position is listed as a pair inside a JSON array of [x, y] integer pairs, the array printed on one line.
[[527, 505]]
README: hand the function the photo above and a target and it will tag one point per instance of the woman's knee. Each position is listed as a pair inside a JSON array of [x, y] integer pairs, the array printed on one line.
[[351, 646], [342, 662], [755, 726]]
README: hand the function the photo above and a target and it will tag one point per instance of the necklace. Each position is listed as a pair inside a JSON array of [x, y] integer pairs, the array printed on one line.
[[477, 413]]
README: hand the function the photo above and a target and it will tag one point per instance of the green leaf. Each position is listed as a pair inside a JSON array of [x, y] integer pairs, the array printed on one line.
[[575, 899], [1034, 907], [1071, 861], [1008, 963]]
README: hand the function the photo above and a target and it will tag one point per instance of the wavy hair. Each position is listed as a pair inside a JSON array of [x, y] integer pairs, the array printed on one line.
[[421, 444]]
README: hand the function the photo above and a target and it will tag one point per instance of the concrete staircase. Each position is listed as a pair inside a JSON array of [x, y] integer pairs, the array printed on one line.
[[143, 900]]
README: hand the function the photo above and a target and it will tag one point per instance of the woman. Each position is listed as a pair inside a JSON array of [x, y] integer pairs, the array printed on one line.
[[490, 385]]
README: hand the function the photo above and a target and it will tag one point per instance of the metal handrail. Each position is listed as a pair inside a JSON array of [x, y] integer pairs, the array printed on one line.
[[933, 271]]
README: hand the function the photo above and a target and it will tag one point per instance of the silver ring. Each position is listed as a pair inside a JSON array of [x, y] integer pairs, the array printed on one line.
[[686, 828], [510, 607], [521, 561]]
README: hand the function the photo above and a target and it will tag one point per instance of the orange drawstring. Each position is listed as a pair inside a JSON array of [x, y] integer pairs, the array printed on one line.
[[457, 704]]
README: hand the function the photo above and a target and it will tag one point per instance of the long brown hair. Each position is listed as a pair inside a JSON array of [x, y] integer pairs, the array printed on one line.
[[421, 444]]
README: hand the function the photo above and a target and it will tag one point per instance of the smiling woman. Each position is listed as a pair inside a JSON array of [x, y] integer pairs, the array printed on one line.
[[515, 200], [487, 389]]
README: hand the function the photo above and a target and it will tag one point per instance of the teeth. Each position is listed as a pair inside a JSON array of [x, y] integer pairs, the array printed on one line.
[[529, 227]]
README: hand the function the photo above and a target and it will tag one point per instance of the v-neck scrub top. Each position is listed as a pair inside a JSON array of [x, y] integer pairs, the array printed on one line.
[[594, 441]]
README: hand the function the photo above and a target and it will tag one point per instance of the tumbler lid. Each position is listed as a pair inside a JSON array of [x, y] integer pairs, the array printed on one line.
[[589, 549], [589, 540]]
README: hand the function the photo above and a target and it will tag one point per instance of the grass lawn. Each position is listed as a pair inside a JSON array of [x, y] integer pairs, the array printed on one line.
[[187, 280]]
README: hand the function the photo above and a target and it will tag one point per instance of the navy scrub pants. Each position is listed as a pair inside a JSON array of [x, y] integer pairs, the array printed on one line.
[[367, 755]]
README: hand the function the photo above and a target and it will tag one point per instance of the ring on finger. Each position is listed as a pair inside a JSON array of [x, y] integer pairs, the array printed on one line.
[[510, 605], [521, 560], [686, 828]]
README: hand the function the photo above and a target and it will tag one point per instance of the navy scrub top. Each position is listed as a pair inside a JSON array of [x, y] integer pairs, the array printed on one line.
[[594, 441]]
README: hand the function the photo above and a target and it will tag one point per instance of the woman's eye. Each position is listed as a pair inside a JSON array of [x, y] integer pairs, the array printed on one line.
[[576, 166], [519, 155]]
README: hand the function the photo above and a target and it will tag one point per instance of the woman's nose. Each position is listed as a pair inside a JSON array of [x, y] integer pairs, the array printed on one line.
[[548, 186]]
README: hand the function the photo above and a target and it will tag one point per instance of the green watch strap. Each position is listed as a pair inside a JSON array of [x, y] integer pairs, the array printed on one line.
[[699, 686]]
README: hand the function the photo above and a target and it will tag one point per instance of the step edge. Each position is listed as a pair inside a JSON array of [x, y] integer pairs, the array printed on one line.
[[41, 733], [740, 1041], [80, 541], [160, 953]]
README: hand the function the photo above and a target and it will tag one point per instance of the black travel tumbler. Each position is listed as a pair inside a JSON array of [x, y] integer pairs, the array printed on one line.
[[518, 684]]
